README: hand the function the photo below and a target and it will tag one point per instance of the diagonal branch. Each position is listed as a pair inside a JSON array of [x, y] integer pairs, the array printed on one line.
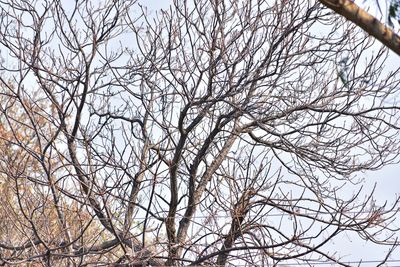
[[367, 22]]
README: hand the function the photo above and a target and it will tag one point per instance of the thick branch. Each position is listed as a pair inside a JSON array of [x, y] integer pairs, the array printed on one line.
[[368, 23], [193, 204]]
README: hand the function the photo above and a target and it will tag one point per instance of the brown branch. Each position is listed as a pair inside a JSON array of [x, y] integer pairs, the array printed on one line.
[[368, 23]]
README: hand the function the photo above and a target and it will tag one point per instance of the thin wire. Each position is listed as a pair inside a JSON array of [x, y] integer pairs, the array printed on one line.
[[332, 262], [225, 216], [360, 263]]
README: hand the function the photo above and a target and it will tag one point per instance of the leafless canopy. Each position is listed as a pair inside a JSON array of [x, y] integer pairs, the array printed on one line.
[[214, 132]]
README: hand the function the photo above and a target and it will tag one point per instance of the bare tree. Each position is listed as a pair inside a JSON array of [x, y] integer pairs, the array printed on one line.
[[211, 133]]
